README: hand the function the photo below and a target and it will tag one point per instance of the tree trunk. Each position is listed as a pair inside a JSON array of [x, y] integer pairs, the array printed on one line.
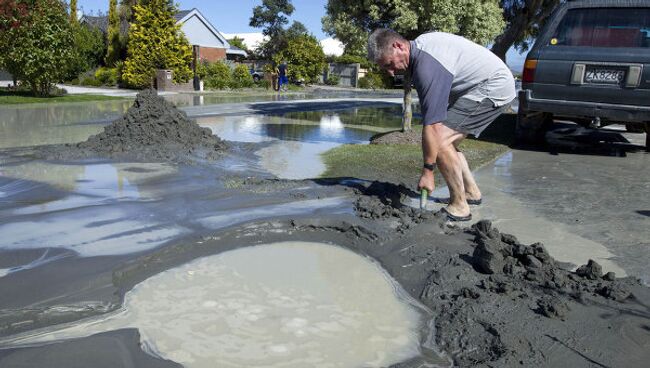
[[407, 112], [506, 39]]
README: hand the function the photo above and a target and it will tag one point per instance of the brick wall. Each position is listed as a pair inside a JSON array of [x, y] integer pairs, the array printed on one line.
[[212, 54]]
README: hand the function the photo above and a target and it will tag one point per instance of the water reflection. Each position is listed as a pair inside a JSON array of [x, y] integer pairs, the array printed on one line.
[[367, 117], [296, 145], [31, 125], [99, 216]]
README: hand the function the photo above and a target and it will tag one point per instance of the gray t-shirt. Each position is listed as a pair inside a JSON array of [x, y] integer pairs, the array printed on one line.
[[446, 67]]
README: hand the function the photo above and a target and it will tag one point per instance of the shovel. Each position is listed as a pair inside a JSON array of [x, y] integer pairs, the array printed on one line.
[[424, 197]]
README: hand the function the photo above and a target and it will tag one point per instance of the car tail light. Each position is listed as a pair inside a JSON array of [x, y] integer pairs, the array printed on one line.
[[529, 71]]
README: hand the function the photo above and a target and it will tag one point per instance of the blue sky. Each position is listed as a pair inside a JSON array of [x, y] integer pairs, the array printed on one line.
[[233, 16]]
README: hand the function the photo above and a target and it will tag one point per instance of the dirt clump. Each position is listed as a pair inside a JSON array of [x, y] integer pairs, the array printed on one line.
[[152, 129]]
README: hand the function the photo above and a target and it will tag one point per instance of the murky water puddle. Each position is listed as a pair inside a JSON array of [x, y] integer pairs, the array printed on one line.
[[290, 304]]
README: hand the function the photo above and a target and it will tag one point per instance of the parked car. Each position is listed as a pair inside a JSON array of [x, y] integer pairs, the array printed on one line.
[[257, 75], [590, 64]]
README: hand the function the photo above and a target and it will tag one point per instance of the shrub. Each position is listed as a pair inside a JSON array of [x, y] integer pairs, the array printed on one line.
[[217, 75], [89, 49], [106, 76], [89, 80], [333, 80], [264, 83], [374, 80], [305, 58], [241, 77], [352, 59]]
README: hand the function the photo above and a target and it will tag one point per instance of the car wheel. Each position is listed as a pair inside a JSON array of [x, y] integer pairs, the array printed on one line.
[[532, 126], [256, 78]]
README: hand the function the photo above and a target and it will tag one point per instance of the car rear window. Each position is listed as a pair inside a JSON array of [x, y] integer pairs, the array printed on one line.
[[604, 27]]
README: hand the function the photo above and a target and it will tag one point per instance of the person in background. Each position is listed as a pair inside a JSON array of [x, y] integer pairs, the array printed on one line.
[[283, 81]]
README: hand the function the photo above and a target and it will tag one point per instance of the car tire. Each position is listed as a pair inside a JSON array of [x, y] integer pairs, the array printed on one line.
[[256, 78], [532, 126]]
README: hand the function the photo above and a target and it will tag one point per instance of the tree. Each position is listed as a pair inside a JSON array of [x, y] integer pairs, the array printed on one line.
[[73, 12], [89, 49], [238, 42], [271, 16], [37, 44], [524, 20], [156, 42], [351, 21], [113, 34], [304, 56]]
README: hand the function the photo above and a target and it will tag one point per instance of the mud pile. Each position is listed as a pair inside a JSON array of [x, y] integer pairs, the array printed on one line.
[[151, 130], [499, 302]]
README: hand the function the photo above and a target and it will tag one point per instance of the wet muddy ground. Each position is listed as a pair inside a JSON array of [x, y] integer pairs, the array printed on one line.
[[77, 236]]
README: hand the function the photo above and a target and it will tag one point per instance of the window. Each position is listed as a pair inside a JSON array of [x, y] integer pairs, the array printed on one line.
[[604, 27]]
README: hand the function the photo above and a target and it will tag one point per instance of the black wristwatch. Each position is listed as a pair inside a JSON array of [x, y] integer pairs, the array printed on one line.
[[429, 166]]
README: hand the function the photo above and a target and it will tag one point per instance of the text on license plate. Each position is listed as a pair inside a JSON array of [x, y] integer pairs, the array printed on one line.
[[604, 76]]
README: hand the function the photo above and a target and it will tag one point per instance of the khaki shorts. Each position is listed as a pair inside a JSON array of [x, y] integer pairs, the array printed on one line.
[[472, 117]]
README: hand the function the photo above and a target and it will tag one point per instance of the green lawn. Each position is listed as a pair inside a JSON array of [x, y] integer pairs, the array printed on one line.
[[22, 97], [402, 163]]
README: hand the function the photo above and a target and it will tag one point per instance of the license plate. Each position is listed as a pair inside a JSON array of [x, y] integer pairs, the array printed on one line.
[[601, 75]]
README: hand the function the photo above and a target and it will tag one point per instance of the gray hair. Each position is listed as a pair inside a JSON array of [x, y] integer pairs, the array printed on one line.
[[379, 42]]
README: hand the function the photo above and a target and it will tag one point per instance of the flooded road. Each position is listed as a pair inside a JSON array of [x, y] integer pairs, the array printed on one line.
[[84, 240]]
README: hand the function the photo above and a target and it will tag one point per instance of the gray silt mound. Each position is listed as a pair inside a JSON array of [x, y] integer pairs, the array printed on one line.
[[152, 129]]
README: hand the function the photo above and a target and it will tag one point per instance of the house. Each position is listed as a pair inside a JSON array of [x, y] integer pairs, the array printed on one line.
[[207, 42]]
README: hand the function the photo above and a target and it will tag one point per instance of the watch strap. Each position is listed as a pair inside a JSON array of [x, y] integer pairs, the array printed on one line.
[[429, 166]]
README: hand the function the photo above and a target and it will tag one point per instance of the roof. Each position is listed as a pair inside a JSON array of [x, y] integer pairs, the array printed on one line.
[[181, 14], [97, 22]]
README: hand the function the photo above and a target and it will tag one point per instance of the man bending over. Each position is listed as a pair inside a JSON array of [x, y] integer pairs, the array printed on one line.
[[462, 88]]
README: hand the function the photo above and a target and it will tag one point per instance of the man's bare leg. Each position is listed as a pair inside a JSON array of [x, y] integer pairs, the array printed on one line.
[[471, 188], [450, 166]]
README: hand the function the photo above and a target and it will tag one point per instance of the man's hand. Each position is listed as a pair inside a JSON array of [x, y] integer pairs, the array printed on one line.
[[426, 181]]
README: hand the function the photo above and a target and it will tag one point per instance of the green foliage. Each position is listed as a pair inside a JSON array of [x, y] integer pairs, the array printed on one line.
[[106, 76], [238, 42], [37, 47], [241, 77], [113, 34], [524, 20], [350, 21], [272, 16], [375, 80], [215, 75], [354, 59], [156, 42], [333, 80], [305, 58], [73, 13], [89, 49]]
